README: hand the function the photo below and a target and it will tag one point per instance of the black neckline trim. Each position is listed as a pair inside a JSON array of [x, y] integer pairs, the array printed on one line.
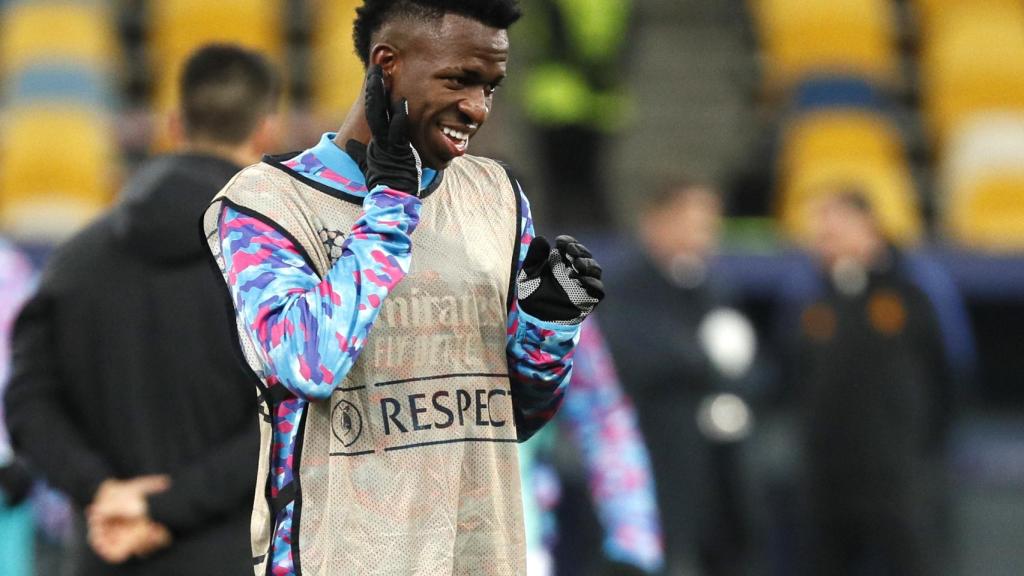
[[277, 161]]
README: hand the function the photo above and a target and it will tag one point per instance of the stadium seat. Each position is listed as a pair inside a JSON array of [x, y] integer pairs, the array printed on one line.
[[840, 148], [43, 31], [889, 187], [834, 91], [989, 214], [982, 205], [47, 196], [973, 63], [336, 72], [178, 27], [801, 38], [931, 12], [839, 134], [59, 83]]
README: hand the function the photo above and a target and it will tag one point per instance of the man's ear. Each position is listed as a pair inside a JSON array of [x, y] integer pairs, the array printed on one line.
[[386, 56], [267, 137]]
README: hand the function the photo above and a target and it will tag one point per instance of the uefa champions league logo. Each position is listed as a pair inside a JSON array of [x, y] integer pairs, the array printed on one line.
[[333, 242]]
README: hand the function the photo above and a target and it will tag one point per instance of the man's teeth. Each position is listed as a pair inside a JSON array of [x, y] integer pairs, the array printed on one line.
[[455, 134]]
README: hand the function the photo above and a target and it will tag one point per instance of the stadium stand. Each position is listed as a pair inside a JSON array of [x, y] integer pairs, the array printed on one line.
[[336, 73], [177, 27], [58, 60], [972, 62], [801, 38], [982, 205]]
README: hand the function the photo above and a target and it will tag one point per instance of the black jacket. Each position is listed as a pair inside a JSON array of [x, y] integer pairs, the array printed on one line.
[[124, 365], [873, 401], [873, 383], [651, 325]]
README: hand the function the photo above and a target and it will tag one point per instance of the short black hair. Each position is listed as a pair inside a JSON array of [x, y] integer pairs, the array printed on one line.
[[674, 189], [226, 91], [855, 198], [373, 14]]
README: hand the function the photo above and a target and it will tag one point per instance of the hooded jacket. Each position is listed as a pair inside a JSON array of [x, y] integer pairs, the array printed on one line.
[[124, 365]]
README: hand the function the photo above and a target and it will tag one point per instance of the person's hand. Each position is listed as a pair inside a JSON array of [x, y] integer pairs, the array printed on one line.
[[118, 519], [560, 284], [125, 499], [390, 159], [117, 540]]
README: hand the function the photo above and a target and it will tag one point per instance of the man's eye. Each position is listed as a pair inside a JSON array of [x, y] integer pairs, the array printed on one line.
[[456, 81], [491, 89]]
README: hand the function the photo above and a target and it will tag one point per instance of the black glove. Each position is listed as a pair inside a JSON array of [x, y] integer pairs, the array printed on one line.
[[560, 284], [390, 158]]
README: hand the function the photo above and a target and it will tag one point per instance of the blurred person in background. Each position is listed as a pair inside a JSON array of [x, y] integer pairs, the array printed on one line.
[[682, 352], [28, 507], [873, 397], [16, 526], [407, 325], [126, 392], [598, 420], [574, 98]]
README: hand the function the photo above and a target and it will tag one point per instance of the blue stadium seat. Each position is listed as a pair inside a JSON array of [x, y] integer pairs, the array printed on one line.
[[59, 83], [836, 92]]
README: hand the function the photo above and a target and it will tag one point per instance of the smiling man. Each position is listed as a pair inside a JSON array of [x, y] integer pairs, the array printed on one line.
[[404, 325]]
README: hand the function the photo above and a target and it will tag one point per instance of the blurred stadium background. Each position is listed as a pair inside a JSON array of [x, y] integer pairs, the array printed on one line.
[[921, 101]]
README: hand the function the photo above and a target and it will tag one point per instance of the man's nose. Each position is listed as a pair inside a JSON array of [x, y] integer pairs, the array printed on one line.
[[476, 107]]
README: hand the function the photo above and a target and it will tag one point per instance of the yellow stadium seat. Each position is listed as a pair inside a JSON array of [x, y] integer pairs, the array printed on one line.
[[179, 27], [989, 215], [987, 143], [973, 62], [337, 73], [839, 134], [46, 194], [31, 32], [889, 187], [847, 147], [800, 38], [931, 12], [982, 177]]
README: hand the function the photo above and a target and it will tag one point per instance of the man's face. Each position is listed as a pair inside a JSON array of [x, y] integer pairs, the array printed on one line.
[[841, 232], [688, 225], [448, 72]]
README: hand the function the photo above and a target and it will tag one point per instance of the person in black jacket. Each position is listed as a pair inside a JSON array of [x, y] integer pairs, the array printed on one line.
[[873, 389], [665, 338], [126, 390]]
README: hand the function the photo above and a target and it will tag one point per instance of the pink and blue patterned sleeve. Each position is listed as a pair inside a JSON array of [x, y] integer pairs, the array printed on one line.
[[539, 354], [603, 424], [309, 330]]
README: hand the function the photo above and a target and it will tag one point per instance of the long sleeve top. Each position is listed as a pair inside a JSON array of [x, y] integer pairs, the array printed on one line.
[[600, 421]]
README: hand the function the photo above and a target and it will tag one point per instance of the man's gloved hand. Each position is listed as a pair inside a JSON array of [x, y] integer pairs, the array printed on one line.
[[390, 158], [560, 284]]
